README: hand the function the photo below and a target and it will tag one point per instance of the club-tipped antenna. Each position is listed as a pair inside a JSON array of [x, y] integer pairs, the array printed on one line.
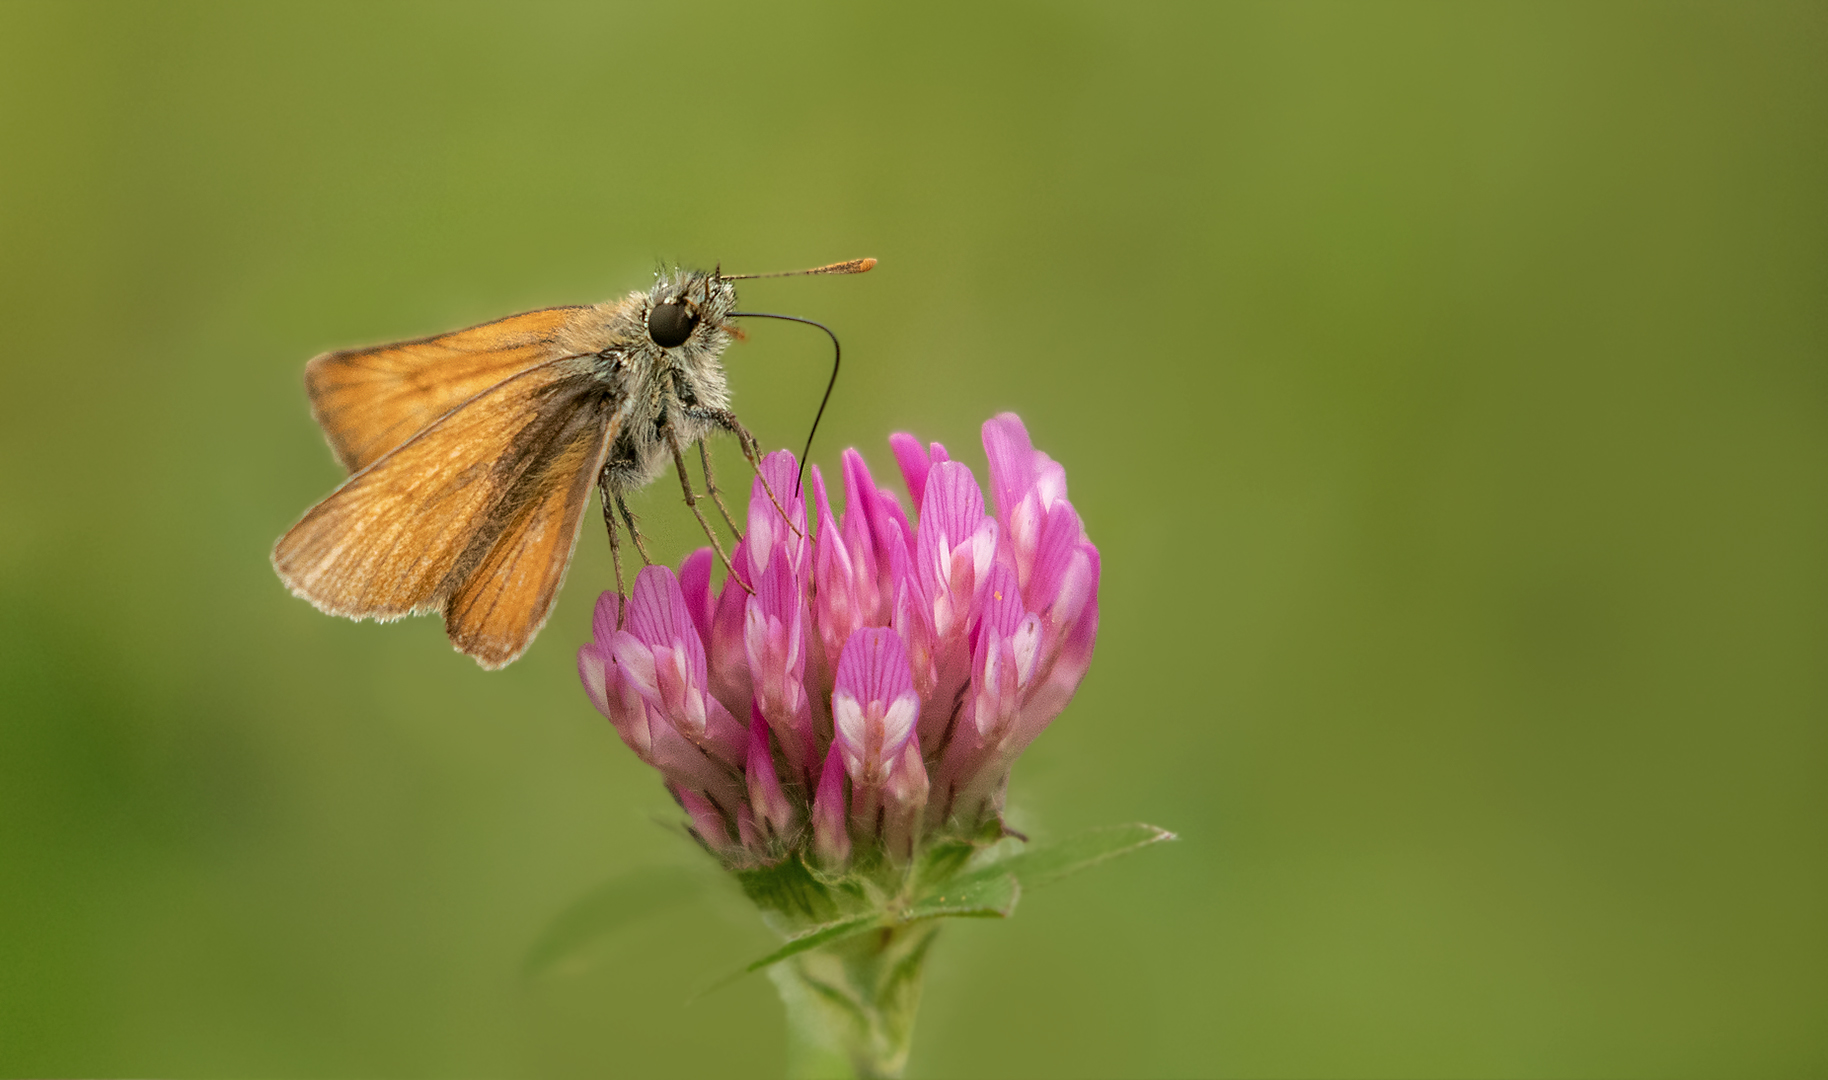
[[837, 353], [853, 266]]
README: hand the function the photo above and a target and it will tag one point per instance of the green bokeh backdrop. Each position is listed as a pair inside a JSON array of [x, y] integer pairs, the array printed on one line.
[[1445, 387]]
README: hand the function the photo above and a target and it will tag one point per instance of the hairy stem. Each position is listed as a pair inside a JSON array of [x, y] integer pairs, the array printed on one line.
[[851, 1005]]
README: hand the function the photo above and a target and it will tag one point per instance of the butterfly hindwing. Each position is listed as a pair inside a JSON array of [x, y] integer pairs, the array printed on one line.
[[502, 602]]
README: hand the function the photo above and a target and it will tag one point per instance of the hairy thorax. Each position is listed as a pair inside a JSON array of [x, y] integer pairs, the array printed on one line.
[[664, 396]]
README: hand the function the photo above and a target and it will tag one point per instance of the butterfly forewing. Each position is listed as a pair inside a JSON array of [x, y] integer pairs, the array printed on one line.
[[496, 487], [372, 400]]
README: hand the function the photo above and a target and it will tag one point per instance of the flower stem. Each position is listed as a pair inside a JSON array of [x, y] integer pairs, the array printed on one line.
[[851, 1005]]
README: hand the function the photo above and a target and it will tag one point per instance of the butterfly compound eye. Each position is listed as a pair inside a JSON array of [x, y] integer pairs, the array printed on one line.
[[670, 323]]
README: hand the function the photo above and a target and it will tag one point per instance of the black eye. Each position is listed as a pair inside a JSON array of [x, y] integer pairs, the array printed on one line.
[[670, 323]]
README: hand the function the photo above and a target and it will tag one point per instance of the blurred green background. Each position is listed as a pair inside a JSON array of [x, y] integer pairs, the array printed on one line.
[[1445, 386]]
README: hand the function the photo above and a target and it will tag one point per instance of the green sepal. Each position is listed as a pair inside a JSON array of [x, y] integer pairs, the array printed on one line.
[[941, 862], [791, 890], [1043, 864]]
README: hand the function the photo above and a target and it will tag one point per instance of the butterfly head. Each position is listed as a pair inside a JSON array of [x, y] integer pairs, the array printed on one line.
[[687, 306]]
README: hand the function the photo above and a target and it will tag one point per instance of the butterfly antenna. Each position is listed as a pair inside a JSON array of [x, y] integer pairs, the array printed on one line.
[[837, 354], [852, 266]]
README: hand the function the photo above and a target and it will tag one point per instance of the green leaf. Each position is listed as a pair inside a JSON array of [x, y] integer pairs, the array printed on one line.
[[811, 939], [974, 896], [1044, 864], [614, 904]]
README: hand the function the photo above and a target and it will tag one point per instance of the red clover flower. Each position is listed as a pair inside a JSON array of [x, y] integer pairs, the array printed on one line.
[[871, 688], [839, 721]]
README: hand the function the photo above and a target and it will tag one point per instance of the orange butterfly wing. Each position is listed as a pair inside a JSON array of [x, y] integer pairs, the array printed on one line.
[[369, 401], [476, 515], [498, 609]]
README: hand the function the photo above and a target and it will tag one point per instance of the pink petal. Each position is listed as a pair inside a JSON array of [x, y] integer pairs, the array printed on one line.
[[657, 615], [821, 505], [728, 663], [695, 587], [1050, 479], [912, 457], [874, 667], [706, 821], [765, 795], [769, 535], [954, 507], [603, 617], [831, 839], [593, 672], [1056, 549], [850, 732], [635, 660], [1012, 460], [1000, 607], [878, 508]]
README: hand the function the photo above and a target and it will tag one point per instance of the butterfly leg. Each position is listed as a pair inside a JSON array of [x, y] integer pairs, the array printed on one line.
[[704, 458], [726, 420], [615, 545], [691, 499], [634, 533]]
